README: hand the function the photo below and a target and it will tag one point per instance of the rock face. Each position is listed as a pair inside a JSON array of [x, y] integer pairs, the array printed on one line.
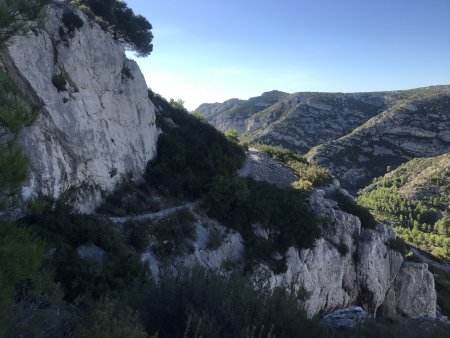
[[413, 279], [261, 167], [96, 125], [351, 265]]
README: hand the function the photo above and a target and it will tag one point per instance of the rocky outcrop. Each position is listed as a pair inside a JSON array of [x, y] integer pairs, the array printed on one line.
[[353, 265], [261, 167], [413, 279], [96, 125]]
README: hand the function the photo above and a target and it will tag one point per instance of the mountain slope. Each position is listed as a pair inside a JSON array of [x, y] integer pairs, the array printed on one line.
[[415, 198], [233, 113], [416, 126]]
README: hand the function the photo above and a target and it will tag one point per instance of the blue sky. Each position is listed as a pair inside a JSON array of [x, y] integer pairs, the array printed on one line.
[[210, 51]]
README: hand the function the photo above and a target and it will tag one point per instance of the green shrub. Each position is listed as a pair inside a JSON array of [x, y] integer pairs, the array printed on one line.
[[214, 306], [342, 249], [137, 234], [18, 17], [174, 233], [129, 199], [110, 320], [240, 202], [310, 174], [13, 167], [66, 230], [72, 21], [191, 155]]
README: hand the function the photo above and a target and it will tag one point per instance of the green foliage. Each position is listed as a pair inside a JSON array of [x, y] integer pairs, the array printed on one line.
[[72, 21], [215, 239], [22, 256], [109, 320], [15, 114], [17, 17], [240, 202], [193, 301], [282, 155], [66, 230], [342, 249], [137, 234], [177, 104], [232, 135], [129, 199], [190, 155], [175, 233], [418, 222], [13, 167], [133, 31]]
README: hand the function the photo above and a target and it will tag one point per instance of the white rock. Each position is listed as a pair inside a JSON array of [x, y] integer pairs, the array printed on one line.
[[88, 138]]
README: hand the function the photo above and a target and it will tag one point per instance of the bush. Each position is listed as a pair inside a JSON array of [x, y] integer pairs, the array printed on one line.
[[174, 233], [215, 239], [137, 234], [18, 17], [110, 320], [13, 167], [72, 21], [66, 230], [129, 199], [342, 249], [196, 302], [191, 155], [240, 202], [133, 31]]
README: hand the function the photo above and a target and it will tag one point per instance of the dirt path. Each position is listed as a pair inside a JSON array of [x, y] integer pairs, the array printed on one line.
[[153, 216]]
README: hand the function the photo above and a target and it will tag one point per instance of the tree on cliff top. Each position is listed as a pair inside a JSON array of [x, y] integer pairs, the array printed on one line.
[[134, 31], [16, 15]]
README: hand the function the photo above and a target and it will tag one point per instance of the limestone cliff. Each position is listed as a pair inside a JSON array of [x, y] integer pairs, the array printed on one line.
[[96, 124], [347, 265], [368, 272]]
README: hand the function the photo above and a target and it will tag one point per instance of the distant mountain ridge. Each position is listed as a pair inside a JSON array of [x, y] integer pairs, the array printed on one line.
[[356, 135]]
